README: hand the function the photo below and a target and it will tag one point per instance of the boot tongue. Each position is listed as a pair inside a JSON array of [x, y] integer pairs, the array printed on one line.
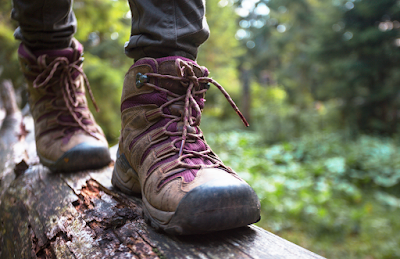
[[168, 66]]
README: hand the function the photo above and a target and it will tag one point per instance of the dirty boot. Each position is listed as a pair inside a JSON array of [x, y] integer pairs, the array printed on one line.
[[185, 187], [67, 136]]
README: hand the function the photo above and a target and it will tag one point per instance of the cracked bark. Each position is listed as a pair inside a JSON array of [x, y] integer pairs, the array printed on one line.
[[80, 215]]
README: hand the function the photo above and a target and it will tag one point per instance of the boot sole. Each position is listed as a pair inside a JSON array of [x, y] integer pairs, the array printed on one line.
[[81, 157], [214, 206]]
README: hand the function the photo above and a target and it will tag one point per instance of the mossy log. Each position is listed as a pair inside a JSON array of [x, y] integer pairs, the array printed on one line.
[[80, 215]]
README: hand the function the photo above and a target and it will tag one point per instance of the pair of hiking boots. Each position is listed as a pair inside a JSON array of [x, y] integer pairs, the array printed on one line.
[[162, 155]]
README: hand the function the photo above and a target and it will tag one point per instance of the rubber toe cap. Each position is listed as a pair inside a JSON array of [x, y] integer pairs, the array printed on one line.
[[216, 205]]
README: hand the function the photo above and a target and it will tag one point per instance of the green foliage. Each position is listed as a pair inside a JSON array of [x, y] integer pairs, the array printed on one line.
[[323, 191], [9, 68], [219, 54], [276, 119], [361, 62], [103, 19], [322, 50], [106, 83]]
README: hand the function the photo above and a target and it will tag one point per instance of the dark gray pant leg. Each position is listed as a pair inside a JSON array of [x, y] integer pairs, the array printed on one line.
[[44, 24], [159, 27], [166, 28]]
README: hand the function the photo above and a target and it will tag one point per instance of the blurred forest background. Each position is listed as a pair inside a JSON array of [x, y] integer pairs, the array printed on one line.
[[319, 81]]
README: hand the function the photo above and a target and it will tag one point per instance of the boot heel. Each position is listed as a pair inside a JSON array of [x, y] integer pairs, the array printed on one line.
[[124, 177]]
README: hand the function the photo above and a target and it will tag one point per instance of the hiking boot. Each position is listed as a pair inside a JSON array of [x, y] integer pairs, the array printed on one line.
[[185, 187], [67, 136]]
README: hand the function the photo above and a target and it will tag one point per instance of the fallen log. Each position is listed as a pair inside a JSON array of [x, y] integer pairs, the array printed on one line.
[[12, 136], [80, 215]]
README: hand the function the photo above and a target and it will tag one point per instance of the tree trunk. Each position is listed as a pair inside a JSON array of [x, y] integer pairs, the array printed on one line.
[[80, 215]]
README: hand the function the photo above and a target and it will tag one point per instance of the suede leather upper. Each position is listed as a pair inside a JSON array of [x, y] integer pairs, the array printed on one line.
[[151, 130], [54, 78]]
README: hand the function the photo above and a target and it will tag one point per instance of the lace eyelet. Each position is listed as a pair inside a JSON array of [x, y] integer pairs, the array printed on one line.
[[80, 61], [141, 80]]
